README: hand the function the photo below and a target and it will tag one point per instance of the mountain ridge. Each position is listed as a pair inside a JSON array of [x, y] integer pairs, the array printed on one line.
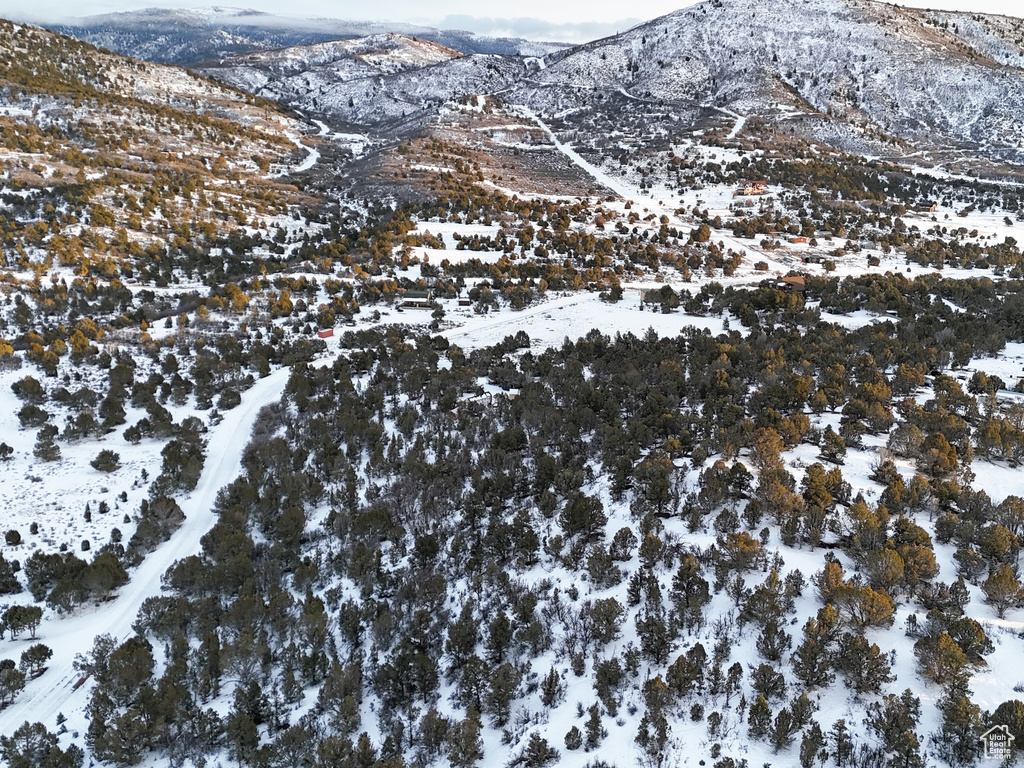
[[190, 36], [863, 76]]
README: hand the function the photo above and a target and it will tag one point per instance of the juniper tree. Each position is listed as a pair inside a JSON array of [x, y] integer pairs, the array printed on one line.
[[894, 720], [759, 718], [1002, 590], [941, 660], [961, 724], [841, 743], [538, 752], [465, 747], [551, 688], [690, 592], [864, 667], [33, 746], [812, 747], [501, 692], [595, 731]]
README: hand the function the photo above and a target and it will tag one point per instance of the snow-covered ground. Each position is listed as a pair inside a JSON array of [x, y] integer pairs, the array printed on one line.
[[54, 691]]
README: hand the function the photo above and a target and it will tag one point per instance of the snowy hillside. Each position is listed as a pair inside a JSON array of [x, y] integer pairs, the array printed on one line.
[[866, 63], [862, 76], [375, 80], [318, 66], [610, 419]]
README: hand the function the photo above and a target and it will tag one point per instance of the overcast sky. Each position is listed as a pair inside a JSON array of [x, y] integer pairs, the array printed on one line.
[[569, 20]]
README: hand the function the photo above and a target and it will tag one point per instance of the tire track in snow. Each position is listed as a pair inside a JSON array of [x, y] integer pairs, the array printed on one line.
[[53, 691]]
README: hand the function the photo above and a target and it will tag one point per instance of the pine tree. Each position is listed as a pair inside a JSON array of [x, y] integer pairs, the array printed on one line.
[[595, 731], [773, 641], [690, 592], [9, 584], [538, 752], [768, 682], [1002, 590], [841, 741], [940, 659], [812, 663], [465, 747], [812, 747], [961, 724], [551, 689], [782, 730], [652, 736], [894, 720], [33, 746], [759, 718], [655, 631], [573, 738], [499, 638], [433, 730], [865, 668], [463, 635], [45, 448], [833, 447], [502, 690]]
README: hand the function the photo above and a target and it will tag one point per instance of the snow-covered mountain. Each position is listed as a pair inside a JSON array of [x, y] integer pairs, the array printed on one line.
[[371, 80], [908, 73], [864, 76], [188, 36]]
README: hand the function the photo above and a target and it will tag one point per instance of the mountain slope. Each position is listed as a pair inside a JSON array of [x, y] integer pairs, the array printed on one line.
[[863, 63], [373, 80], [110, 156], [315, 68], [863, 76]]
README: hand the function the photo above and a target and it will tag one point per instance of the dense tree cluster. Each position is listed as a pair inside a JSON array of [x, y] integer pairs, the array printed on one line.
[[381, 544]]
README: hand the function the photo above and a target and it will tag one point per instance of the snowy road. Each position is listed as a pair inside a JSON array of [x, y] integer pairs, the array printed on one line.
[[53, 692], [741, 121], [622, 190], [312, 156], [627, 192]]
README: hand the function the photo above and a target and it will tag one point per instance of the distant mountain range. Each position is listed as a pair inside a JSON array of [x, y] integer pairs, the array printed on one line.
[[190, 36], [861, 76]]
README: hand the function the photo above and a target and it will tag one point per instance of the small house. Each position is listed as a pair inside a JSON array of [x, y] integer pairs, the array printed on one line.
[[326, 333], [792, 284], [749, 188], [416, 300]]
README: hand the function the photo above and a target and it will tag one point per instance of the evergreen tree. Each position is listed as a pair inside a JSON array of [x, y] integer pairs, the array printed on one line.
[[551, 688], [841, 743], [941, 660], [465, 747], [538, 752], [812, 747], [961, 724], [1002, 590], [502, 691], [865, 668], [463, 635], [690, 592], [894, 720], [759, 718], [595, 730], [45, 448], [33, 746], [573, 738]]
